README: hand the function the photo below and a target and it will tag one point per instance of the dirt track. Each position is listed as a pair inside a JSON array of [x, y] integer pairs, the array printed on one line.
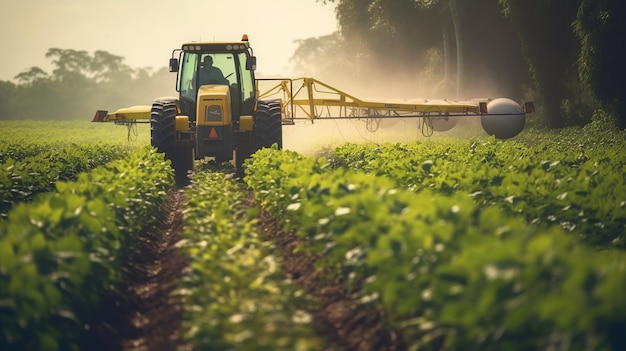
[[140, 314], [339, 317]]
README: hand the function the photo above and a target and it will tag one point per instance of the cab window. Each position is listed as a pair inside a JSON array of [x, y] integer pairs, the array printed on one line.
[[188, 75], [247, 79]]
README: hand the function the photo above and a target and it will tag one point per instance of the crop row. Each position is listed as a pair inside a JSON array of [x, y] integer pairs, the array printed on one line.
[[60, 251], [21, 149], [236, 295], [21, 180], [582, 189], [448, 272], [56, 133]]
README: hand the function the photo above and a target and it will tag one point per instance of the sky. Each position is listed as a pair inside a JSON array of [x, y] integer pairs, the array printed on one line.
[[145, 32]]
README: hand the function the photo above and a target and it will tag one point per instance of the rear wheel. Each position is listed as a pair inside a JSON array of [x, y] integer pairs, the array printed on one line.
[[268, 125], [163, 138]]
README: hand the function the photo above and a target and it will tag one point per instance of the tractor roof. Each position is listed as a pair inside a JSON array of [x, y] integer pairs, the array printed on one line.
[[212, 46]]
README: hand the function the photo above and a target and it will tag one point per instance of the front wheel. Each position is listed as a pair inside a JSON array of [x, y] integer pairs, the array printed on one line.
[[163, 138]]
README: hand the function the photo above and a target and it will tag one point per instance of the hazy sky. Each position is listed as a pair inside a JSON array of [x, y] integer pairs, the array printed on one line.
[[145, 32]]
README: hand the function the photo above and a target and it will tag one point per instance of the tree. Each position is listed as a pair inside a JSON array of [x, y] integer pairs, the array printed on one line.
[[31, 76], [69, 63], [492, 52], [416, 39], [8, 92], [458, 35], [600, 26], [548, 43], [311, 56], [80, 84], [107, 67], [389, 40]]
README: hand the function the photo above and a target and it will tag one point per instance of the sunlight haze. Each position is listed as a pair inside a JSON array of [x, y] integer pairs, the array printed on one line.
[[145, 32]]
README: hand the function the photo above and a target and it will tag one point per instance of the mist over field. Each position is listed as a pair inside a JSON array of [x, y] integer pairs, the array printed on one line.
[[414, 213], [376, 51]]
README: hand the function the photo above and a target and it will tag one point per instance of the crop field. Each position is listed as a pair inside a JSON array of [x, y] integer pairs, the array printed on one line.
[[439, 244]]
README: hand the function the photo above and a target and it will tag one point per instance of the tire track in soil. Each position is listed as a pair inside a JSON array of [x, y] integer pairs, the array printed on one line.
[[338, 316], [139, 313]]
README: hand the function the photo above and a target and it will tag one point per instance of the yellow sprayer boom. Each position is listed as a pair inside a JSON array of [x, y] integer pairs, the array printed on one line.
[[313, 99], [351, 106], [140, 113]]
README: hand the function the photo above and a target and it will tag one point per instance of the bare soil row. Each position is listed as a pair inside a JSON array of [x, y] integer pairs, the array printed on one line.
[[140, 313]]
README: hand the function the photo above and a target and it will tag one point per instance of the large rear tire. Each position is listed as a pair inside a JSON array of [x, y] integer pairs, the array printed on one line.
[[163, 138], [268, 124]]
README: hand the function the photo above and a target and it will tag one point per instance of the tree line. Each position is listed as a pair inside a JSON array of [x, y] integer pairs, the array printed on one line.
[[80, 83], [566, 55]]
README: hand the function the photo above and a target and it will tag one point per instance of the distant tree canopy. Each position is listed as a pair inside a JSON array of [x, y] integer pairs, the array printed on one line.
[[437, 48], [600, 26], [549, 44], [566, 55], [79, 84]]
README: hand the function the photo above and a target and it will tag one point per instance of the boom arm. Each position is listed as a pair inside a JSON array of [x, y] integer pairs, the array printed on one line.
[[317, 100], [314, 99], [350, 106]]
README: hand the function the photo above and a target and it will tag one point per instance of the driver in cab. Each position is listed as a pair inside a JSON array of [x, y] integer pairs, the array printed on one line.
[[210, 74]]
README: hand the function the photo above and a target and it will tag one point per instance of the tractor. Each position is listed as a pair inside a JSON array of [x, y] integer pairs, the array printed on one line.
[[221, 113], [217, 112]]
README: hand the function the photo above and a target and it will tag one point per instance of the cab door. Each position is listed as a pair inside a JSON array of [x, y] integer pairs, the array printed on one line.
[[188, 84]]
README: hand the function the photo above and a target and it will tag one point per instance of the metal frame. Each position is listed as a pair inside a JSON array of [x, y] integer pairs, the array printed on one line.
[[322, 101]]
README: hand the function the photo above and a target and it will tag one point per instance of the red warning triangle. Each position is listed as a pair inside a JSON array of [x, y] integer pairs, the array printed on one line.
[[213, 134]]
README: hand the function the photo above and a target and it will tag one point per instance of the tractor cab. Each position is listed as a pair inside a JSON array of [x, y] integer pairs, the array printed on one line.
[[210, 68], [217, 113]]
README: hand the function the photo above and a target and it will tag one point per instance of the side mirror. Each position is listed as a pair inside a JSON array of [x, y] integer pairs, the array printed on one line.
[[251, 63], [173, 65]]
